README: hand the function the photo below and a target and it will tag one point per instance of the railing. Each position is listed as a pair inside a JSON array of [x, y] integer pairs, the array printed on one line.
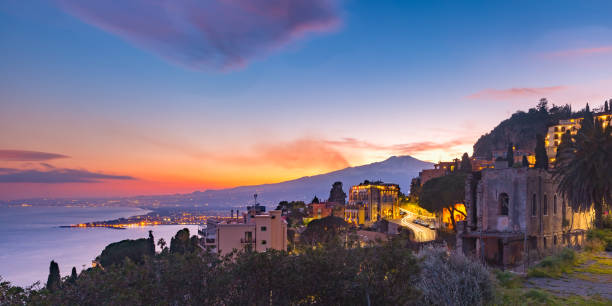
[[242, 240]]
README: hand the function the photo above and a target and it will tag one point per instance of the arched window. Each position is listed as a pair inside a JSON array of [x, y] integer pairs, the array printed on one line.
[[555, 205], [534, 207], [503, 204], [545, 208]]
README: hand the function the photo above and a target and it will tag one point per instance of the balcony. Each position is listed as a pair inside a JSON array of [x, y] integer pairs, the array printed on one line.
[[247, 241]]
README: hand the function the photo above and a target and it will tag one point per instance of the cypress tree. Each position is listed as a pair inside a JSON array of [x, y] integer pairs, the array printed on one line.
[[540, 153], [466, 163], [54, 280], [73, 276], [151, 243], [510, 156], [525, 162], [315, 200], [606, 109]]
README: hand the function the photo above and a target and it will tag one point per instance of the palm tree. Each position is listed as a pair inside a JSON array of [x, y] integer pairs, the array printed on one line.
[[584, 168]]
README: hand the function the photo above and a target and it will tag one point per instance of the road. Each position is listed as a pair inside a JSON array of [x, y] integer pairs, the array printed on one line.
[[421, 233]]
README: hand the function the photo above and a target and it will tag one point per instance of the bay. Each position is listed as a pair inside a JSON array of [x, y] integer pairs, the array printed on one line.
[[30, 237]]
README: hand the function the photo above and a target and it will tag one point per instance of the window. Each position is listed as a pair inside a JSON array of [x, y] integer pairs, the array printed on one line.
[[545, 208], [555, 240], [534, 207], [545, 246], [503, 204], [555, 205], [263, 228], [263, 242]]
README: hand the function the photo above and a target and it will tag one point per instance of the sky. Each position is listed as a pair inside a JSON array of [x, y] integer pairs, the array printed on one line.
[[119, 98]]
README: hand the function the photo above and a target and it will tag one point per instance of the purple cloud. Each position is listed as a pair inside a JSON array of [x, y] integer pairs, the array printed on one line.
[[201, 34], [23, 155], [54, 176]]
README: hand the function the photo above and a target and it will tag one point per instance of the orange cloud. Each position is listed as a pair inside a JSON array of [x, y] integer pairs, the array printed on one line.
[[515, 93], [579, 52]]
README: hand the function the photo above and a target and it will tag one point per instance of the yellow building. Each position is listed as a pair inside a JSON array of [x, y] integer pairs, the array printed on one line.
[[258, 232], [555, 132], [372, 201]]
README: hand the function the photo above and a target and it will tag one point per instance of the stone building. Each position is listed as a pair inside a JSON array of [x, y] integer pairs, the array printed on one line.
[[372, 201], [555, 132], [515, 214]]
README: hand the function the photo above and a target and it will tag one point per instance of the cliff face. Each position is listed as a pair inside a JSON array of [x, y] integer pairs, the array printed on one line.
[[520, 129]]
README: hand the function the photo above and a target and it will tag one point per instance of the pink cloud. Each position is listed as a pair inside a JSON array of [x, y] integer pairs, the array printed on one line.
[[24, 155], [579, 52], [515, 93], [404, 148], [205, 34]]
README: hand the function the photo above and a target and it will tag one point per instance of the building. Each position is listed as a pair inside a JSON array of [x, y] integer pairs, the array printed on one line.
[[518, 155], [325, 209], [515, 214], [553, 136], [257, 232], [372, 201]]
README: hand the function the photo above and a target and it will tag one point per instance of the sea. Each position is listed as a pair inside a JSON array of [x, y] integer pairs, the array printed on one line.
[[30, 237]]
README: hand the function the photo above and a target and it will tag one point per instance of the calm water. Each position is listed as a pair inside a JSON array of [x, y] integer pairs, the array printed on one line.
[[30, 238]]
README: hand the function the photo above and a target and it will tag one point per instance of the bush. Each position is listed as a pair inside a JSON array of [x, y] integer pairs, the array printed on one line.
[[603, 235], [554, 266], [453, 279]]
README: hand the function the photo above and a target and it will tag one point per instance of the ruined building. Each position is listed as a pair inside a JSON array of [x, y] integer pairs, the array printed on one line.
[[516, 214]]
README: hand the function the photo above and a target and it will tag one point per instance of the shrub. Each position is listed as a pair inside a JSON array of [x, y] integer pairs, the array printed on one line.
[[453, 279], [604, 235], [554, 266]]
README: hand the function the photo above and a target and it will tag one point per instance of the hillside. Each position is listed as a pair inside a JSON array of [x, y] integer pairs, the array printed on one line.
[[396, 169], [521, 129]]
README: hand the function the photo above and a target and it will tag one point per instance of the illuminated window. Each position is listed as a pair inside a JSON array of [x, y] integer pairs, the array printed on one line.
[[503, 204]]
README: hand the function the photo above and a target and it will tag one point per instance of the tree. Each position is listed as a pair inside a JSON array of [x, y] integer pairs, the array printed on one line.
[[415, 190], [336, 194], [466, 163], [116, 253], [315, 200], [151, 243], [606, 108], [73, 276], [541, 157], [54, 281], [162, 244], [325, 230], [525, 162], [565, 145], [444, 192], [183, 243], [584, 169], [510, 155], [542, 106]]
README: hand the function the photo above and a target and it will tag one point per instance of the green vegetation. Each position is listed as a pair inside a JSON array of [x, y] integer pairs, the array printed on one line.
[[466, 163], [603, 235], [584, 168], [541, 158], [53, 281], [325, 231], [183, 243], [115, 253], [556, 265], [336, 194], [444, 192], [294, 211]]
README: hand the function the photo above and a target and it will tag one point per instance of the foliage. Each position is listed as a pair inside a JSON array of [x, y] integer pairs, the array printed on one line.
[[521, 129], [73, 275], [603, 235], [183, 243], [115, 253], [525, 162], [315, 200], [443, 192], [466, 163], [336, 194], [555, 266], [54, 280], [584, 168], [294, 212], [453, 279], [510, 155], [541, 158], [324, 231], [151, 243], [382, 275]]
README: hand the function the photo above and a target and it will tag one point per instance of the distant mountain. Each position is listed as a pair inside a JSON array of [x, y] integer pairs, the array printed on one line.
[[397, 169]]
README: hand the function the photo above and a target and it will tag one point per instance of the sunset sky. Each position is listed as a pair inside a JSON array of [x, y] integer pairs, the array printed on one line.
[[128, 97]]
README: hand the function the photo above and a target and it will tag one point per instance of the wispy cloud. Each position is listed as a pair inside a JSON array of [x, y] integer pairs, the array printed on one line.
[[23, 155], [579, 52], [515, 93], [403, 149], [55, 176], [202, 34]]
